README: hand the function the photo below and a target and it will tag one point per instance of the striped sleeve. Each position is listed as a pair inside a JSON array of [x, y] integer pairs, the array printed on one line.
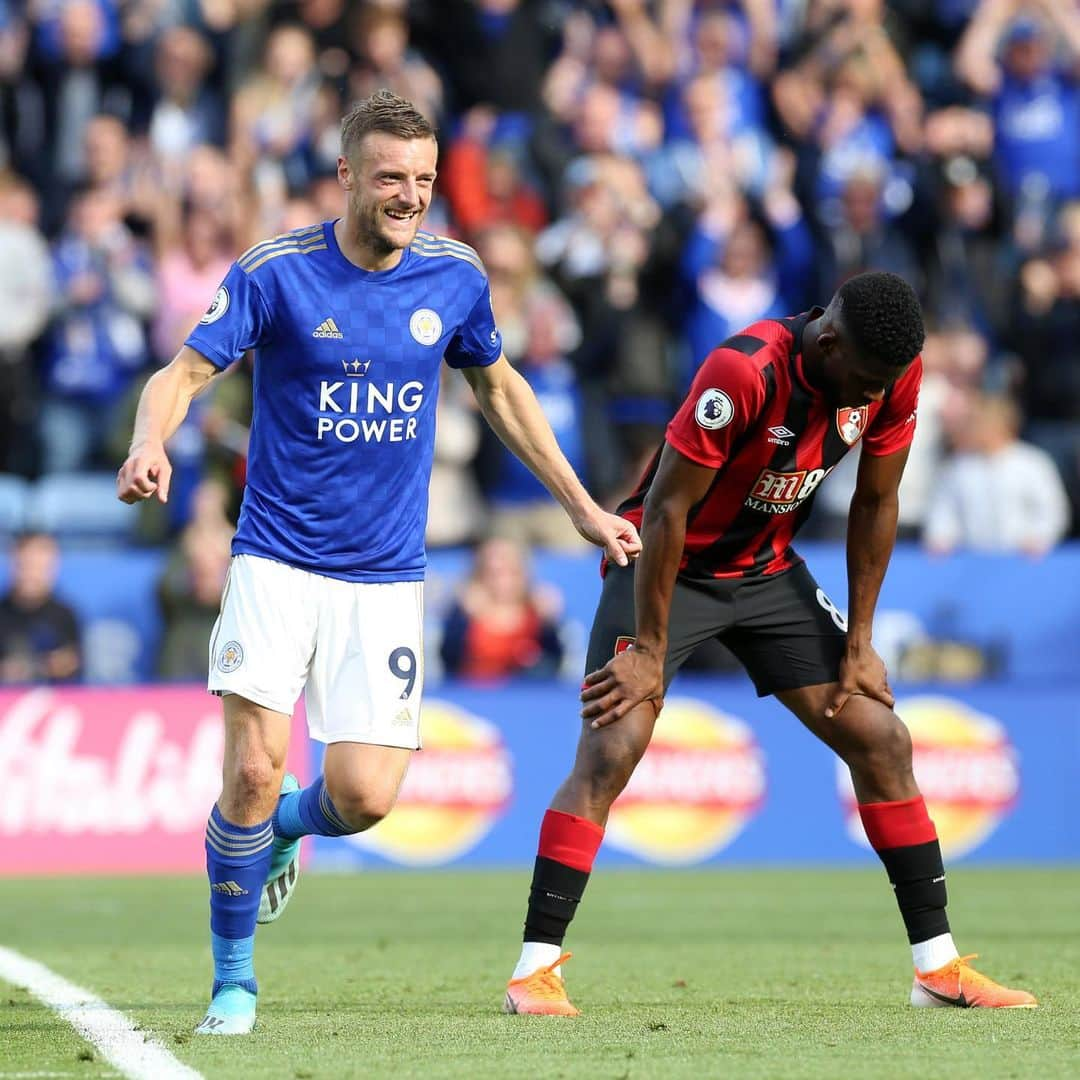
[[726, 398], [894, 426], [235, 321]]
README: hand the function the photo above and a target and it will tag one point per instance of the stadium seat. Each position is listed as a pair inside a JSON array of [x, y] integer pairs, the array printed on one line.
[[79, 506], [14, 492]]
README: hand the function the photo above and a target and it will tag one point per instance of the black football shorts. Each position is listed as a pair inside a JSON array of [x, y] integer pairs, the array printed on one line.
[[783, 628]]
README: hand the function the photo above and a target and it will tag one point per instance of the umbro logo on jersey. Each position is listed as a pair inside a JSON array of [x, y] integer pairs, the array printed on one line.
[[781, 435], [327, 329]]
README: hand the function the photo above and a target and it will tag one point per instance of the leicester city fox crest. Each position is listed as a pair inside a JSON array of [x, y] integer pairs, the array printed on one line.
[[230, 657], [425, 326]]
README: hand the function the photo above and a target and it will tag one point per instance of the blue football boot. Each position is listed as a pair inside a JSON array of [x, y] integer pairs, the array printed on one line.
[[231, 1012]]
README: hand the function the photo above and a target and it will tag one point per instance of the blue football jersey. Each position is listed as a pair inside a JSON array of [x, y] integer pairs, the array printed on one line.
[[346, 377]]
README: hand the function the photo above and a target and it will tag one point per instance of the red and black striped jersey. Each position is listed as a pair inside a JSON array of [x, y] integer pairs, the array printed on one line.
[[752, 415]]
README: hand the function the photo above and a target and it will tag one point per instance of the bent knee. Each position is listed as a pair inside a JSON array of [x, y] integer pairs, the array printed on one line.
[[880, 759], [361, 809], [252, 776], [891, 745], [607, 770]]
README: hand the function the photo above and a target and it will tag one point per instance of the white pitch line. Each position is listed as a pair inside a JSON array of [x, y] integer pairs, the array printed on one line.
[[112, 1033]]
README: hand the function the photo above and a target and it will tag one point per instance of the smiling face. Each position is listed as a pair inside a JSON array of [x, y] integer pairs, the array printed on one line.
[[389, 183]]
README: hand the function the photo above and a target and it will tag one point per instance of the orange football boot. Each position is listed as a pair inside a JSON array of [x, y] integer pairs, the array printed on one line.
[[543, 993], [959, 984]]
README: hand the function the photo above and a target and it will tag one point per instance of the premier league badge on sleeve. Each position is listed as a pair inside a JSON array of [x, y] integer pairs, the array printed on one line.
[[218, 306], [714, 409]]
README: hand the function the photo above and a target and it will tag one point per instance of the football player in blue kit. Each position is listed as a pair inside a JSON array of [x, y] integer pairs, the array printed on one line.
[[350, 321]]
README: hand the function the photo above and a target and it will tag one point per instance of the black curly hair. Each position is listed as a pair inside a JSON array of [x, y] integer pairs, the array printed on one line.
[[881, 314]]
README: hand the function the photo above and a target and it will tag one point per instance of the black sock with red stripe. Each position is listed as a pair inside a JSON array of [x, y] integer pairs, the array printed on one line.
[[906, 842], [568, 846]]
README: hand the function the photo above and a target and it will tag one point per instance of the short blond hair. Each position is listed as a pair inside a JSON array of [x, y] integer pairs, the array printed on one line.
[[384, 111]]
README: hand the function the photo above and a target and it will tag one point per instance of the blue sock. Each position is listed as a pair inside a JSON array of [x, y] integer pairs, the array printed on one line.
[[237, 862], [307, 812]]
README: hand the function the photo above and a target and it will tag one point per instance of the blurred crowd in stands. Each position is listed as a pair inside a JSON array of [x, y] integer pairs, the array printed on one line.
[[641, 178]]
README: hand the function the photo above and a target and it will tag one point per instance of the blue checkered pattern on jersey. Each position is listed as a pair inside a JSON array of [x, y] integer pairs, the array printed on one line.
[[337, 479]]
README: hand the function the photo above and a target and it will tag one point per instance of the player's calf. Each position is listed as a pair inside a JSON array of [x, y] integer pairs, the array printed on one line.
[[880, 759], [564, 860], [606, 759], [284, 869], [866, 734], [876, 746], [362, 782], [570, 836], [237, 860], [899, 829]]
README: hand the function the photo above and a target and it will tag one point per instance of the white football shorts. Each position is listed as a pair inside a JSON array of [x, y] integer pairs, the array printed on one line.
[[354, 648]]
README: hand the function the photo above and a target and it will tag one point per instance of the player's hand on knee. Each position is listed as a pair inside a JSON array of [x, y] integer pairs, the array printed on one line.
[[147, 471], [862, 671], [617, 536], [621, 685]]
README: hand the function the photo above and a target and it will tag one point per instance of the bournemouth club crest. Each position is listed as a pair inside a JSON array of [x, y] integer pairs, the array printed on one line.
[[851, 423]]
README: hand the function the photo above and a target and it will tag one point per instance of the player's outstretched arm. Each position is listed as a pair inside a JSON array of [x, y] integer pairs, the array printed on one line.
[[162, 407], [511, 408], [637, 674], [871, 535]]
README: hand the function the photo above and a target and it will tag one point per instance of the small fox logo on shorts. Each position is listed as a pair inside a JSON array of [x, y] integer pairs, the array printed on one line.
[[231, 657]]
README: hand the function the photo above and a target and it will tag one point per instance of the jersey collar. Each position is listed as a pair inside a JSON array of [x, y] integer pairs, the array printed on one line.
[[351, 267]]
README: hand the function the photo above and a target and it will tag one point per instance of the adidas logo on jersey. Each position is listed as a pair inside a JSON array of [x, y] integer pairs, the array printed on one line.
[[328, 329]]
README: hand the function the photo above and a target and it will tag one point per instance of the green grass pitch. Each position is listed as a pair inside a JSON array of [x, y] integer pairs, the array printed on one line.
[[795, 973]]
